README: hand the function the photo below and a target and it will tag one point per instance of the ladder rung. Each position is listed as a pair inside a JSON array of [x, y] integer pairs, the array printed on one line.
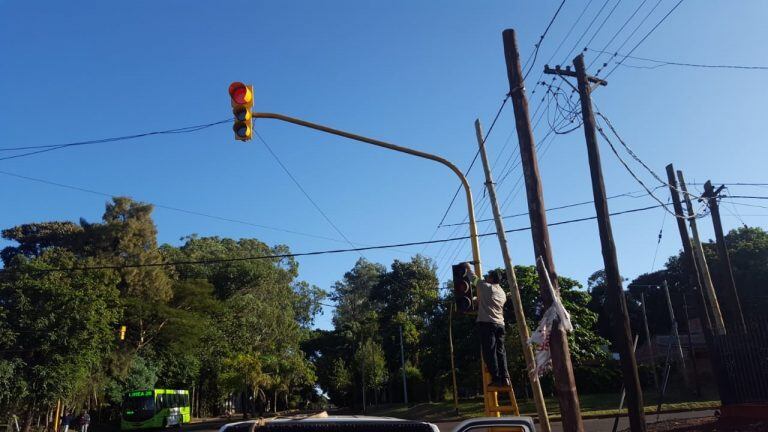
[[503, 409], [504, 389]]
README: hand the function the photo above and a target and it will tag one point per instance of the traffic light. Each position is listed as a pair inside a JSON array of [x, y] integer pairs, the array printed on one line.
[[122, 332], [242, 102], [462, 287]]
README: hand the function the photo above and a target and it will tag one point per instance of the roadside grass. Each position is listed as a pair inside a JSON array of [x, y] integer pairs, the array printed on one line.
[[592, 405]]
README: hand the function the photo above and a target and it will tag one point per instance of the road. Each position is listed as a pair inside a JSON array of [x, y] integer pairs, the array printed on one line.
[[590, 425], [606, 424]]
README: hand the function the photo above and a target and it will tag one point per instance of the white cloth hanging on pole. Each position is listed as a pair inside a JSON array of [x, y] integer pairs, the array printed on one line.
[[554, 315]]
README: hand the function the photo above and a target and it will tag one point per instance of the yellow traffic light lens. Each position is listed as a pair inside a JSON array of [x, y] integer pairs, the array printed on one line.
[[242, 114], [242, 130]]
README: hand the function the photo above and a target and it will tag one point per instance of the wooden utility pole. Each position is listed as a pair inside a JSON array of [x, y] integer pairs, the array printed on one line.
[[402, 363], [691, 350], [517, 303], [689, 260], [676, 334], [730, 297], [701, 261], [615, 300], [451, 310], [562, 369], [650, 342]]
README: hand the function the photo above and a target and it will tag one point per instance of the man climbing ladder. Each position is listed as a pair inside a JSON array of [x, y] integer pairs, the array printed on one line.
[[490, 327], [489, 306]]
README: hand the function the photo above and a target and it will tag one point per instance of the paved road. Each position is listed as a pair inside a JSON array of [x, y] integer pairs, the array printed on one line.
[[606, 424], [590, 425]]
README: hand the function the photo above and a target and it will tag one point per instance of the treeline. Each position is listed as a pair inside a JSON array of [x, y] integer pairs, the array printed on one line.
[[360, 359], [359, 363], [237, 329], [229, 328]]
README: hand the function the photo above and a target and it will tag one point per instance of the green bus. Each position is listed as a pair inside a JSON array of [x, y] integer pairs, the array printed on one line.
[[155, 409]]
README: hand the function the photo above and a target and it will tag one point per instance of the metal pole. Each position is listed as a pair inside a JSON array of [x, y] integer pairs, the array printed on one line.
[[701, 261], [562, 369], [676, 334], [522, 325], [467, 190], [615, 292], [731, 297], [402, 361], [650, 342]]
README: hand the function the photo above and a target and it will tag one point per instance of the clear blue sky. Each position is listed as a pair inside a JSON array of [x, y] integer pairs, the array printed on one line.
[[409, 72]]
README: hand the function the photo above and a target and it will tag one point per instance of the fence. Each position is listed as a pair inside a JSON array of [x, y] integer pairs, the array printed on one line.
[[740, 362]]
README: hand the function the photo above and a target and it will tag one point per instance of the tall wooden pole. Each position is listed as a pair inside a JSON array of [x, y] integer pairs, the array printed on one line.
[[676, 334], [689, 260], [517, 303], [615, 300], [701, 261], [451, 310], [650, 342], [402, 363], [565, 383], [730, 295], [691, 350]]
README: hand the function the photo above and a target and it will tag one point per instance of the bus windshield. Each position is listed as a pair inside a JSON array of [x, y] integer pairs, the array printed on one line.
[[140, 403]]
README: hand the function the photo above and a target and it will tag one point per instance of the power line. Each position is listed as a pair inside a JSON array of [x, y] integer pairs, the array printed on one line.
[[565, 206], [661, 63], [477, 153], [301, 254], [745, 197], [171, 208], [303, 191], [51, 147], [637, 158], [541, 39], [653, 29], [634, 176], [621, 29]]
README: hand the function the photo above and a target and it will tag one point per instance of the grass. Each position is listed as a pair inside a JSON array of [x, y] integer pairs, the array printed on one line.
[[592, 405]]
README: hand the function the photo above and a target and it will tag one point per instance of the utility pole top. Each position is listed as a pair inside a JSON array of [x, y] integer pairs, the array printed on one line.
[[568, 72]]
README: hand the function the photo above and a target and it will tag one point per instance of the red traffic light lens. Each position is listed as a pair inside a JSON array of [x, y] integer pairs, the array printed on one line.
[[240, 93]]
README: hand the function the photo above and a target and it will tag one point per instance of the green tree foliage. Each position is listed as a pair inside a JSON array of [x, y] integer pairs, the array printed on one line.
[[235, 326], [58, 326]]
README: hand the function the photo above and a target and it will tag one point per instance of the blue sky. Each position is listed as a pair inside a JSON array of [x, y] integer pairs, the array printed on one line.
[[411, 73]]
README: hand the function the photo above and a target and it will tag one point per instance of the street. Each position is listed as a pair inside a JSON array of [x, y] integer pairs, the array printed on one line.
[[590, 425]]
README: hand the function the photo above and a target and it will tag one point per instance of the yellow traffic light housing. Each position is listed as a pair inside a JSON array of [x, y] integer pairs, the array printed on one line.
[[122, 332], [242, 102]]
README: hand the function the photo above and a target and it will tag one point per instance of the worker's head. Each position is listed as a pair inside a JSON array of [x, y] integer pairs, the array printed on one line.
[[493, 277], [468, 269]]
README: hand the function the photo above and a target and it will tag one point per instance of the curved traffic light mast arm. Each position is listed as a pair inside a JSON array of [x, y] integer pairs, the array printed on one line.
[[456, 170]]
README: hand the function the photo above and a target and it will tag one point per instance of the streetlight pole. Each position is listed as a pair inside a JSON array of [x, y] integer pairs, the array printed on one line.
[[421, 154]]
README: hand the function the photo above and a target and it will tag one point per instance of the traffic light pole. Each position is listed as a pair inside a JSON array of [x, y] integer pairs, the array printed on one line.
[[421, 154]]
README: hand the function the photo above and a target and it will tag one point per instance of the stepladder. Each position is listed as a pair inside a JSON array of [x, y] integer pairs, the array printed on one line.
[[494, 408]]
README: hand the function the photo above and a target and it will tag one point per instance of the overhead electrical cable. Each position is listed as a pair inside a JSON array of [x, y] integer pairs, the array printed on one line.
[[300, 254], [51, 147]]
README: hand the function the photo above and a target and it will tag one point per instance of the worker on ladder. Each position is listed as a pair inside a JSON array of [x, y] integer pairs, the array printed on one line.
[[490, 327]]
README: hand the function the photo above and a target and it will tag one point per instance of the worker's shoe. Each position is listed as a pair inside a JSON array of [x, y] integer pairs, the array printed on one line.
[[501, 383]]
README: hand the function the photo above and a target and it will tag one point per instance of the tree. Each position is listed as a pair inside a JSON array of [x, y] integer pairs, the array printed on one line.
[[370, 361], [61, 324]]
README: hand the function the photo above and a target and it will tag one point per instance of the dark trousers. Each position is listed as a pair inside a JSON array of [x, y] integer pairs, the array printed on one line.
[[494, 354]]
